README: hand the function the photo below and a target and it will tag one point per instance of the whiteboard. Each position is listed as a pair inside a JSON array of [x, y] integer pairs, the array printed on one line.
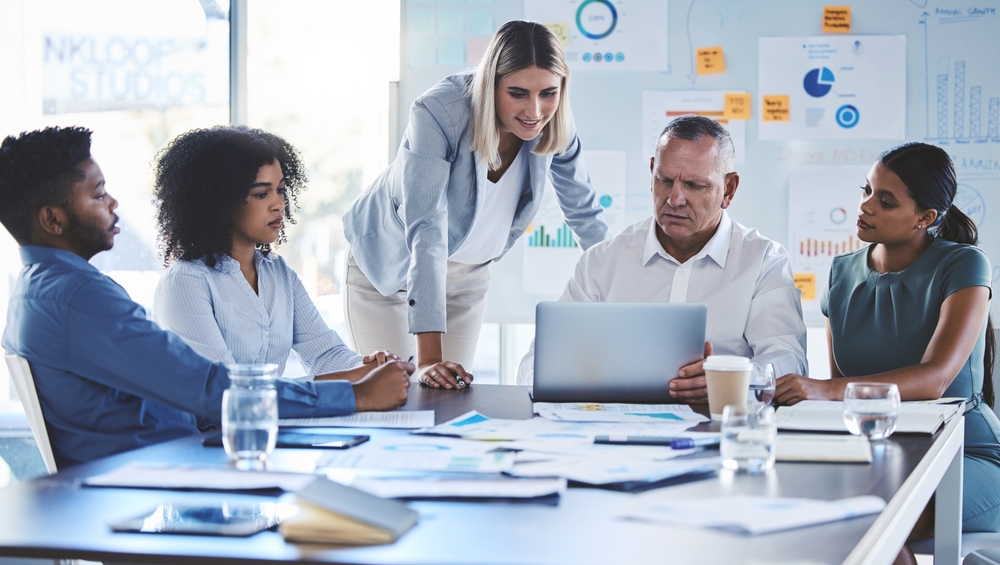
[[952, 99]]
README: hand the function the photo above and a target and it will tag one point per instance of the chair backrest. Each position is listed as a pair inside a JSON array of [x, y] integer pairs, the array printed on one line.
[[24, 383]]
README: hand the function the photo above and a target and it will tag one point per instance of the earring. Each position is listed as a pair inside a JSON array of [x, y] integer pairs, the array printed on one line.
[[58, 230]]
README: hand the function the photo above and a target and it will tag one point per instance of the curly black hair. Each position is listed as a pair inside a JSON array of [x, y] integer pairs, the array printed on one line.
[[39, 169], [203, 176]]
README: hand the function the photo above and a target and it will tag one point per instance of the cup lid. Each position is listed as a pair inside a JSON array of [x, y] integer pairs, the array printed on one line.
[[727, 363]]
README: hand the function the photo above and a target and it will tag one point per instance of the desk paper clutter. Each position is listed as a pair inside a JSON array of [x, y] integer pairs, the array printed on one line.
[[751, 515]]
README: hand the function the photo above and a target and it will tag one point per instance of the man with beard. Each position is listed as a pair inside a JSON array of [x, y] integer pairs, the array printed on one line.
[[108, 379]]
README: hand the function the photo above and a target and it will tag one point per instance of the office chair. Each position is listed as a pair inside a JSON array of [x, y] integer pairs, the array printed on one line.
[[24, 383]]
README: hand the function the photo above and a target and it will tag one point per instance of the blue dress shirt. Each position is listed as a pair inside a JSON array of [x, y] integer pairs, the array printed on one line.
[[108, 379], [216, 311]]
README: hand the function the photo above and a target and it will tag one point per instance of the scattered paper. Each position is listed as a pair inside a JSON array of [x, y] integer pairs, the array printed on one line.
[[180, 477], [462, 488], [418, 453], [596, 412], [605, 470], [399, 419], [828, 416], [823, 448], [752, 515]]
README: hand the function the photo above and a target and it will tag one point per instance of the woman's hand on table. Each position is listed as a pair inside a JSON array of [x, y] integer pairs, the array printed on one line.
[[792, 389], [444, 374]]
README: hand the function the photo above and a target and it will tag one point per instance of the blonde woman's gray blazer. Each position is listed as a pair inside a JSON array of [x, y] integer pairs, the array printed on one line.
[[403, 227]]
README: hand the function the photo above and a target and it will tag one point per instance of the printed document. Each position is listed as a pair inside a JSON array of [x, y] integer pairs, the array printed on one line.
[[399, 419]]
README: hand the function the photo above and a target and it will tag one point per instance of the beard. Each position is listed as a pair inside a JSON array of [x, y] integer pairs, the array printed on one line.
[[90, 237]]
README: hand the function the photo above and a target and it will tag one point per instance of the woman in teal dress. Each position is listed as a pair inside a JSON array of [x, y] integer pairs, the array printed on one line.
[[913, 309]]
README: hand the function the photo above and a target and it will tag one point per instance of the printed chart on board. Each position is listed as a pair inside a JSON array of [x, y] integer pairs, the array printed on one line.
[[850, 87], [659, 108], [552, 250], [822, 223], [623, 35]]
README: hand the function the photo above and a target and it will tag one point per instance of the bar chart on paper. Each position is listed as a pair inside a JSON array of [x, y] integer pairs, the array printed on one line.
[[810, 247]]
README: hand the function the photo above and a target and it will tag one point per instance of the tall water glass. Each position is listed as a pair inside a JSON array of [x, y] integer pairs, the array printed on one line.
[[749, 438], [871, 409], [250, 414], [761, 386]]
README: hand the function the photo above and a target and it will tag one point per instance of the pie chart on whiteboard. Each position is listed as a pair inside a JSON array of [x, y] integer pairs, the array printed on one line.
[[818, 82]]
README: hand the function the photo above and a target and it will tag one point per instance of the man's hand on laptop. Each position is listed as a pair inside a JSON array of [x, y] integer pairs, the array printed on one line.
[[689, 386]]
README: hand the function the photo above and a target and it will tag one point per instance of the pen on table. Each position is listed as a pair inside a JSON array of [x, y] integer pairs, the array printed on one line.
[[672, 442]]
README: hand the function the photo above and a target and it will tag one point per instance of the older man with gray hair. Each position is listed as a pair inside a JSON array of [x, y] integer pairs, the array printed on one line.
[[691, 251]]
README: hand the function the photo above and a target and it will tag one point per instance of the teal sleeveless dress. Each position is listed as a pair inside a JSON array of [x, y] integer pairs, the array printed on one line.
[[882, 322]]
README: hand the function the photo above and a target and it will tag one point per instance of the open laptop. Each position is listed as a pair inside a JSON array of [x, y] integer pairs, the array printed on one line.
[[614, 351]]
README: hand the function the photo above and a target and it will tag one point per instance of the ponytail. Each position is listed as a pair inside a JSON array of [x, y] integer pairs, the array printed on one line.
[[956, 226]]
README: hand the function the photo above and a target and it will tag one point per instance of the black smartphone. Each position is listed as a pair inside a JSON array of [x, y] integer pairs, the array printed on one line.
[[221, 519], [321, 438]]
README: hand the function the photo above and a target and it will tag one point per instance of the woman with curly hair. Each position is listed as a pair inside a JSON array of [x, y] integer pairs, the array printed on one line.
[[223, 196]]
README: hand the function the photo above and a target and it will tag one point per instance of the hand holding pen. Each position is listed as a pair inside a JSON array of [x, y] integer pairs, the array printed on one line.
[[445, 374]]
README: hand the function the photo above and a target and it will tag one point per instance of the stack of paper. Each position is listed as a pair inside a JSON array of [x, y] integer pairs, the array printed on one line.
[[824, 448], [398, 419], [462, 488], [828, 416], [180, 477], [598, 412], [333, 513], [416, 453], [749, 514]]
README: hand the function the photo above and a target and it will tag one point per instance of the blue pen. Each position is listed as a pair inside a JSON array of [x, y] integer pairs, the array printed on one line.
[[689, 443]]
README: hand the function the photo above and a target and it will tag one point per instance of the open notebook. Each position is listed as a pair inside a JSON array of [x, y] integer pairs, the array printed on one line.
[[828, 416]]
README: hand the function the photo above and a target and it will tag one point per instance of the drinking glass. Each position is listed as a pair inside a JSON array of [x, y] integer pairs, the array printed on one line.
[[761, 386], [871, 409], [250, 414], [749, 437]]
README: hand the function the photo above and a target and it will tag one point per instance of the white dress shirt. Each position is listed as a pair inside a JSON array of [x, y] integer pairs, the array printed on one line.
[[746, 280], [216, 311]]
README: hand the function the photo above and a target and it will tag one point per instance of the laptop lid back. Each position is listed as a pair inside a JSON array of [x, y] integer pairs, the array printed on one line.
[[614, 351]]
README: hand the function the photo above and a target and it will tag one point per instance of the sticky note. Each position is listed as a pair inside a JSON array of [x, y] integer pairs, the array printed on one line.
[[736, 106], [475, 48], [836, 19], [561, 30], [806, 282], [710, 60], [776, 108]]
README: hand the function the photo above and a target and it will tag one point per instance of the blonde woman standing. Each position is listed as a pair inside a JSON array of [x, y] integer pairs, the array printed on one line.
[[467, 180]]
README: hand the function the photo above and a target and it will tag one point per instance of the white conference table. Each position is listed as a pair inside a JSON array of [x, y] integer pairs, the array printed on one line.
[[54, 517]]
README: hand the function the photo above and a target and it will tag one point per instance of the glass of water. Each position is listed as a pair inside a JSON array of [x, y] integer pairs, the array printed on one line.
[[250, 414], [761, 386], [871, 409], [749, 437]]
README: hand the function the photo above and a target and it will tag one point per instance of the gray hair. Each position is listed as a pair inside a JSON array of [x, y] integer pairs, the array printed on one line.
[[691, 127]]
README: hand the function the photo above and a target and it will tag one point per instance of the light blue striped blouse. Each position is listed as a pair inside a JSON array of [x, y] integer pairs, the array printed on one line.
[[215, 310]]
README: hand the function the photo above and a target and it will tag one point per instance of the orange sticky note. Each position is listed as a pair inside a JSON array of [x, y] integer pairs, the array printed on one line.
[[736, 106], [806, 282], [776, 108], [836, 19], [710, 60]]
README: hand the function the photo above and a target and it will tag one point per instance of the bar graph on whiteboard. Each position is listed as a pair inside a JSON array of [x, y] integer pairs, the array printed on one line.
[[563, 237]]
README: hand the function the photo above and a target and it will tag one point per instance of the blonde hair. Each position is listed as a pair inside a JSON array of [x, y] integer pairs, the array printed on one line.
[[518, 45]]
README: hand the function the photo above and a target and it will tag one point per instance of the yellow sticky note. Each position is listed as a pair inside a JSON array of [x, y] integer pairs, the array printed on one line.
[[806, 282], [737, 106], [776, 108], [560, 30], [836, 19], [710, 60]]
